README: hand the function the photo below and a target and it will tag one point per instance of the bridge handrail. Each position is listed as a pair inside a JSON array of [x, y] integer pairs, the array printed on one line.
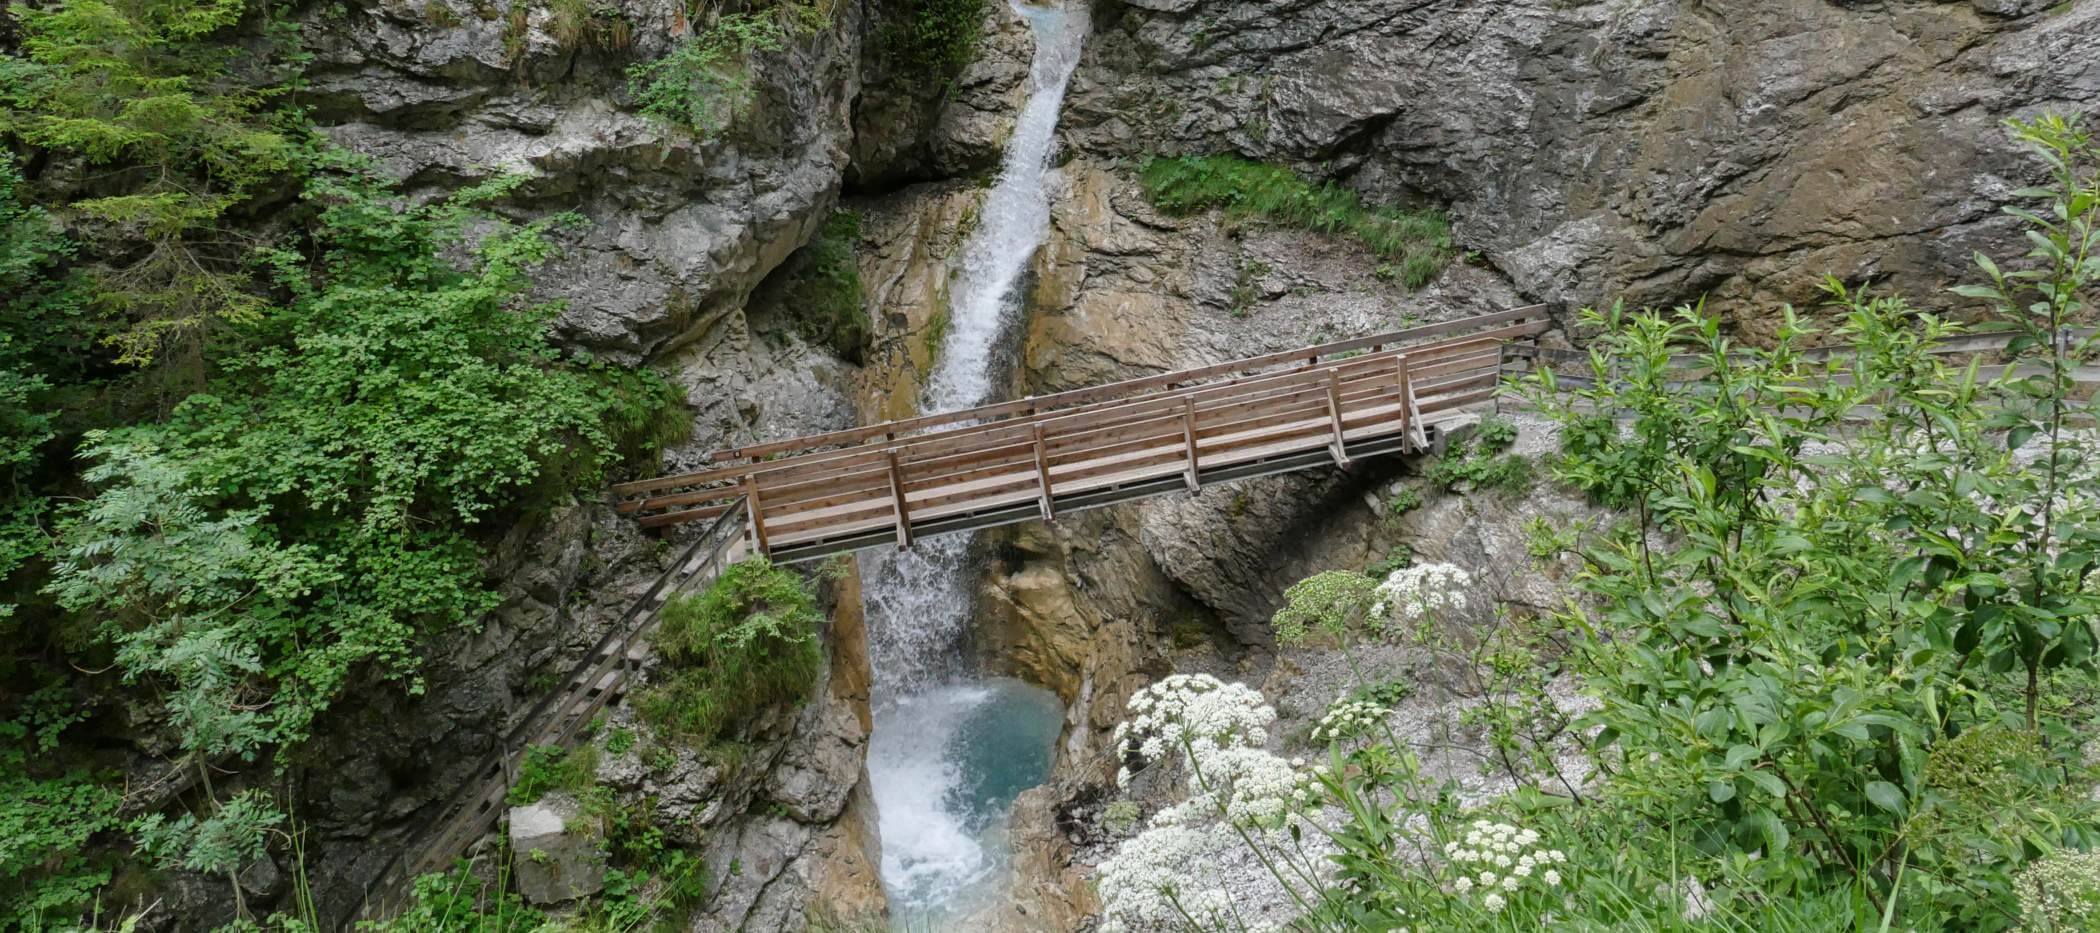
[[1065, 404], [471, 810], [1072, 397]]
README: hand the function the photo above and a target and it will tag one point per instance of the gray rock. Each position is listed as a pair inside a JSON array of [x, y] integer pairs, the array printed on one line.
[[557, 854], [1644, 149]]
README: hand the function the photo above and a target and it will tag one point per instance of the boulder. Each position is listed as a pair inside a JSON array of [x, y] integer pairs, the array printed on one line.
[[558, 854]]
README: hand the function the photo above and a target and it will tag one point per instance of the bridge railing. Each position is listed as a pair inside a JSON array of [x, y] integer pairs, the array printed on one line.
[[822, 472], [558, 719]]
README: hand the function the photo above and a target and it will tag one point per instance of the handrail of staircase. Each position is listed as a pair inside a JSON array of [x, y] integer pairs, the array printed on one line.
[[471, 805]]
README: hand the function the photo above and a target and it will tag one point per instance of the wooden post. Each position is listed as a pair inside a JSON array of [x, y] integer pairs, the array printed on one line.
[[1339, 446], [1188, 438], [1044, 494], [1407, 401], [754, 515], [903, 509]]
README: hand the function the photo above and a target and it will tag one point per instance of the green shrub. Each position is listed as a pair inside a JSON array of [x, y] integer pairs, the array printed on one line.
[[747, 645], [1401, 556], [823, 298], [1480, 462], [705, 82], [932, 41], [550, 768], [1421, 241], [1327, 602], [462, 901]]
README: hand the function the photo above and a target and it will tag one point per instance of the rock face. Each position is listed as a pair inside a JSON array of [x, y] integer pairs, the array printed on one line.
[[561, 852], [1587, 149], [1645, 149]]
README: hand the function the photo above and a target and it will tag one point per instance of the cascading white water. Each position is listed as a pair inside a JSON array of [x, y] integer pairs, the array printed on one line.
[[943, 761]]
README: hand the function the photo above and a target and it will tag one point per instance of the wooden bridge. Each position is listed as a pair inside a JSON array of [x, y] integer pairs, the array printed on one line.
[[811, 497], [891, 483]]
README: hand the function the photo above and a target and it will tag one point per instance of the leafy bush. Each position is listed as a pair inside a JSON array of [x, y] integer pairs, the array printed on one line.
[[1247, 189], [823, 296], [308, 514], [549, 768], [1400, 557], [462, 901], [746, 645], [1480, 462], [704, 84], [1328, 602], [933, 40]]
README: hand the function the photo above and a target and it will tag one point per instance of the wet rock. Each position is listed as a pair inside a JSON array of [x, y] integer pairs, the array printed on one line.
[[560, 854]]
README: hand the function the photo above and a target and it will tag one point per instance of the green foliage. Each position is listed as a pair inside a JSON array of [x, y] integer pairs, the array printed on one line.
[[823, 296], [147, 89], [1408, 499], [705, 82], [226, 841], [48, 813], [1481, 462], [41, 312], [307, 514], [461, 902], [1401, 556], [549, 768], [932, 41], [748, 644], [1419, 241], [1326, 602]]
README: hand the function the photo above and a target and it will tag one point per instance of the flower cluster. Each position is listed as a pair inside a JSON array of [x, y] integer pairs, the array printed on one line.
[[1500, 862], [1168, 875], [1346, 719], [1413, 595], [1196, 712], [2061, 891]]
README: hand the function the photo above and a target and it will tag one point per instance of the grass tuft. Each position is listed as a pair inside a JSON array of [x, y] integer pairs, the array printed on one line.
[[1419, 242]]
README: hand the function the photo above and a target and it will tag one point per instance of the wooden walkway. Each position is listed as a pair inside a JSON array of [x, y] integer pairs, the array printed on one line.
[[891, 483]]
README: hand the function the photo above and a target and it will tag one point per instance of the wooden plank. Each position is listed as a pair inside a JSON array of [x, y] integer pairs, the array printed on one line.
[[1407, 396], [1188, 440], [1045, 491], [903, 508], [1334, 417], [755, 512]]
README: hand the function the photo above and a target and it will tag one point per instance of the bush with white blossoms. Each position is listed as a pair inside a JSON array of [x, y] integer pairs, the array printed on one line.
[[1496, 863], [1194, 713], [1413, 595], [1347, 719], [1237, 793], [2061, 891]]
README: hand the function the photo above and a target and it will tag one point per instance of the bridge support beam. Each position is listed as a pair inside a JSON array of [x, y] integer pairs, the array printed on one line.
[[755, 514], [1339, 445], [1188, 438], [897, 502], [1407, 402], [1044, 494]]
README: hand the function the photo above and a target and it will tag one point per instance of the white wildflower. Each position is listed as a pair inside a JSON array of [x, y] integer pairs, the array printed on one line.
[[1416, 594], [1493, 903]]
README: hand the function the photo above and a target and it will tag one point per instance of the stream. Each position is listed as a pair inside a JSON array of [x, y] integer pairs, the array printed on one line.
[[951, 747]]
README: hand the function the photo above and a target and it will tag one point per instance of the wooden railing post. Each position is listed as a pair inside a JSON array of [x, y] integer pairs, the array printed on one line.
[[1045, 495], [1191, 475], [897, 502], [754, 515], [1339, 446], [1407, 402]]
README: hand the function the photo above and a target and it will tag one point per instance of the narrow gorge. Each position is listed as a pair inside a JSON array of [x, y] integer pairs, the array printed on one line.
[[333, 328]]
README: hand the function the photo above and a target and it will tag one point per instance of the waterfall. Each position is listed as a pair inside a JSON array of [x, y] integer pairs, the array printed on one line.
[[942, 762]]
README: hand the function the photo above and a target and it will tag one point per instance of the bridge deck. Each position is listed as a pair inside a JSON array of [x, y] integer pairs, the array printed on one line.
[[1034, 458]]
